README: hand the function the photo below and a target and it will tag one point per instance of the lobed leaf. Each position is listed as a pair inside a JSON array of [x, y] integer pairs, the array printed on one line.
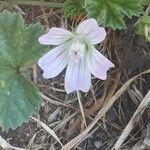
[[19, 48], [110, 13], [74, 8]]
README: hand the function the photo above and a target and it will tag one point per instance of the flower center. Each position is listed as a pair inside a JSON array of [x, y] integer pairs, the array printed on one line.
[[77, 51]]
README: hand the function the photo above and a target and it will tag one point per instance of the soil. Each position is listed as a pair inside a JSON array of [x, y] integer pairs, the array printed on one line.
[[130, 53]]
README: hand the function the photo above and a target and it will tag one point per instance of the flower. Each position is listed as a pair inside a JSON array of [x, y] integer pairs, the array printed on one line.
[[77, 52]]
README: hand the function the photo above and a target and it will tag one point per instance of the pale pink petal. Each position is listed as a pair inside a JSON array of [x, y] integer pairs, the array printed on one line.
[[98, 64], [54, 61], [78, 77], [90, 29], [55, 36]]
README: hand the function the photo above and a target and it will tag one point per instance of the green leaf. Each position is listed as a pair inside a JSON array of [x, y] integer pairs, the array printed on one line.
[[143, 27], [18, 99], [110, 13], [74, 8], [19, 48]]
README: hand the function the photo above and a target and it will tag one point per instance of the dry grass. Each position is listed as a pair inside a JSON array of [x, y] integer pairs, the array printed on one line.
[[5, 145], [64, 125]]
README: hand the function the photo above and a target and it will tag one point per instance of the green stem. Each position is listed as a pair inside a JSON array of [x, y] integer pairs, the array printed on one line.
[[35, 3], [147, 11]]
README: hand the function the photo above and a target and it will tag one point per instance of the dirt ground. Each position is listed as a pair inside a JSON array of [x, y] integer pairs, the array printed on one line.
[[131, 55]]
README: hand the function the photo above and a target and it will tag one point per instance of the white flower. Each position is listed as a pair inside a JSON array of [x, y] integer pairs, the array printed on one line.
[[77, 52]]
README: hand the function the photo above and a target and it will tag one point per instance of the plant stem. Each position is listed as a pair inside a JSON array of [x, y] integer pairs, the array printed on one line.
[[147, 11], [35, 3], [81, 107]]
